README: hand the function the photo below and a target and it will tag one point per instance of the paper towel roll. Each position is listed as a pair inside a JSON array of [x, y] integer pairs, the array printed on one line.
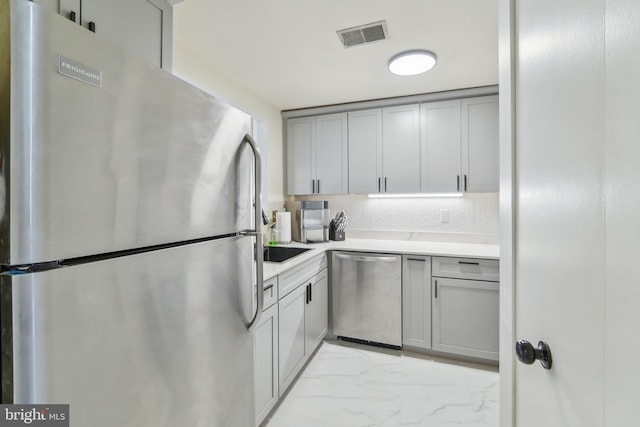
[[283, 219]]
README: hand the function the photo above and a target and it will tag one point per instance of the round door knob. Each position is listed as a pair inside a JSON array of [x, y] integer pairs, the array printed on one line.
[[527, 354]]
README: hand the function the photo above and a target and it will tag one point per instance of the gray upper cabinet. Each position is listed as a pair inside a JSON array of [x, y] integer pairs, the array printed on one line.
[[144, 27], [401, 149], [69, 9], [301, 135], [434, 147], [317, 155], [480, 144], [441, 147], [384, 150], [52, 5], [331, 154], [365, 151]]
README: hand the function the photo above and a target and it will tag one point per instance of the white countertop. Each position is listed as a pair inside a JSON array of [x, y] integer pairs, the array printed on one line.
[[465, 250]]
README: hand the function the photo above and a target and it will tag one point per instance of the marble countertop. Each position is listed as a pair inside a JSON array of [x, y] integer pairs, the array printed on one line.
[[465, 250]]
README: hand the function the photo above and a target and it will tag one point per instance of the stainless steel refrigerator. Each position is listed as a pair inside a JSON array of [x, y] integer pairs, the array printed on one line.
[[128, 209]]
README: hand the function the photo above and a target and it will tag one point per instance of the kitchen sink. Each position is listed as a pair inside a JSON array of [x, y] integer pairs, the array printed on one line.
[[281, 253]]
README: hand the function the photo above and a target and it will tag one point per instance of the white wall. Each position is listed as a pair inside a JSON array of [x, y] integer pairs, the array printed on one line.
[[201, 72]]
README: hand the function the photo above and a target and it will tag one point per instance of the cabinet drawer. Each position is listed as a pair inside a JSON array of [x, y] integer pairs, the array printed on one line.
[[270, 292], [466, 268], [291, 279]]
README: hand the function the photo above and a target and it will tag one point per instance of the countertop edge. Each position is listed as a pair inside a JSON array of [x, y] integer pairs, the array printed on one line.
[[444, 249]]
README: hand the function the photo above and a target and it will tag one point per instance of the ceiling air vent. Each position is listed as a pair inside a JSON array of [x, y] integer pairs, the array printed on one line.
[[364, 34]]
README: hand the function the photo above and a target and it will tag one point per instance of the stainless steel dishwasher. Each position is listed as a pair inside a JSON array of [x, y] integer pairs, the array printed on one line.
[[367, 298]]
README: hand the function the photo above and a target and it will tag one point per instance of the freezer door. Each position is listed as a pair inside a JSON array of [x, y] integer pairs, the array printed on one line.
[[140, 159], [150, 340]]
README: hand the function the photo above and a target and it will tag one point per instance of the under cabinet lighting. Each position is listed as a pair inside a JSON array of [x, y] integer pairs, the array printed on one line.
[[412, 195]]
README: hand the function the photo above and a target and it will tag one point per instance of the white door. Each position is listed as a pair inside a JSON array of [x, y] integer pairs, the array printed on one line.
[[573, 212]]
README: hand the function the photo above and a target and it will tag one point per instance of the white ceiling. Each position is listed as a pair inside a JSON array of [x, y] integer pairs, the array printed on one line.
[[288, 53]]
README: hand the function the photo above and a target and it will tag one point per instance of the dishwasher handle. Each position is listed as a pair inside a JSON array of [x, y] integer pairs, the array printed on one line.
[[365, 258]]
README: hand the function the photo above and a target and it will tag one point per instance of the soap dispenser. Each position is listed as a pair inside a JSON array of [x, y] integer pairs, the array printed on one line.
[[274, 234]]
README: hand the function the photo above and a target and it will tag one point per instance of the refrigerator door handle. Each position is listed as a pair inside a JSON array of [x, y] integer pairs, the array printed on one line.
[[257, 234]]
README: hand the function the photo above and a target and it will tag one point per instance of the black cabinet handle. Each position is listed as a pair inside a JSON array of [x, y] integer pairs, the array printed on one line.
[[469, 262], [307, 296], [436, 289], [385, 184], [379, 187], [457, 182], [310, 292], [527, 354], [72, 16], [465, 183], [92, 27], [318, 186], [313, 186]]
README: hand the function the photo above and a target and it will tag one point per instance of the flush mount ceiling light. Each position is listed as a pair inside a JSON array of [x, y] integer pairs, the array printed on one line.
[[412, 62]]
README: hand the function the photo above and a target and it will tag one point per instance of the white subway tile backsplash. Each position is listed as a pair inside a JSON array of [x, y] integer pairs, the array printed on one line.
[[473, 214]]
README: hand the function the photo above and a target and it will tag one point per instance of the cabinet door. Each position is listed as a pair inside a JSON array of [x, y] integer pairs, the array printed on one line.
[[69, 6], [291, 348], [401, 149], [365, 151], [135, 24], [51, 5], [480, 144], [265, 338], [416, 301], [465, 317], [331, 154], [441, 147], [301, 135], [316, 316]]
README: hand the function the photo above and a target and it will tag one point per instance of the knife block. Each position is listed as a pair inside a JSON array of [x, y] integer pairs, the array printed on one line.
[[335, 235]]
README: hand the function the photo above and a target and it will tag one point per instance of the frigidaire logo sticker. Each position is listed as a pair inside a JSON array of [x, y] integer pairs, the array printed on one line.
[[78, 71], [34, 415]]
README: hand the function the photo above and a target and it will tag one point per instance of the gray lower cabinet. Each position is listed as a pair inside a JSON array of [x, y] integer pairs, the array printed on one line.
[[317, 311], [266, 363], [303, 317], [265, 339], [465, 310], [416, 301], [292, 338]]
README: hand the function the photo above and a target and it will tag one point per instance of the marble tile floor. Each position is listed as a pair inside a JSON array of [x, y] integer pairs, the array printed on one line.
[[350, 386]]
